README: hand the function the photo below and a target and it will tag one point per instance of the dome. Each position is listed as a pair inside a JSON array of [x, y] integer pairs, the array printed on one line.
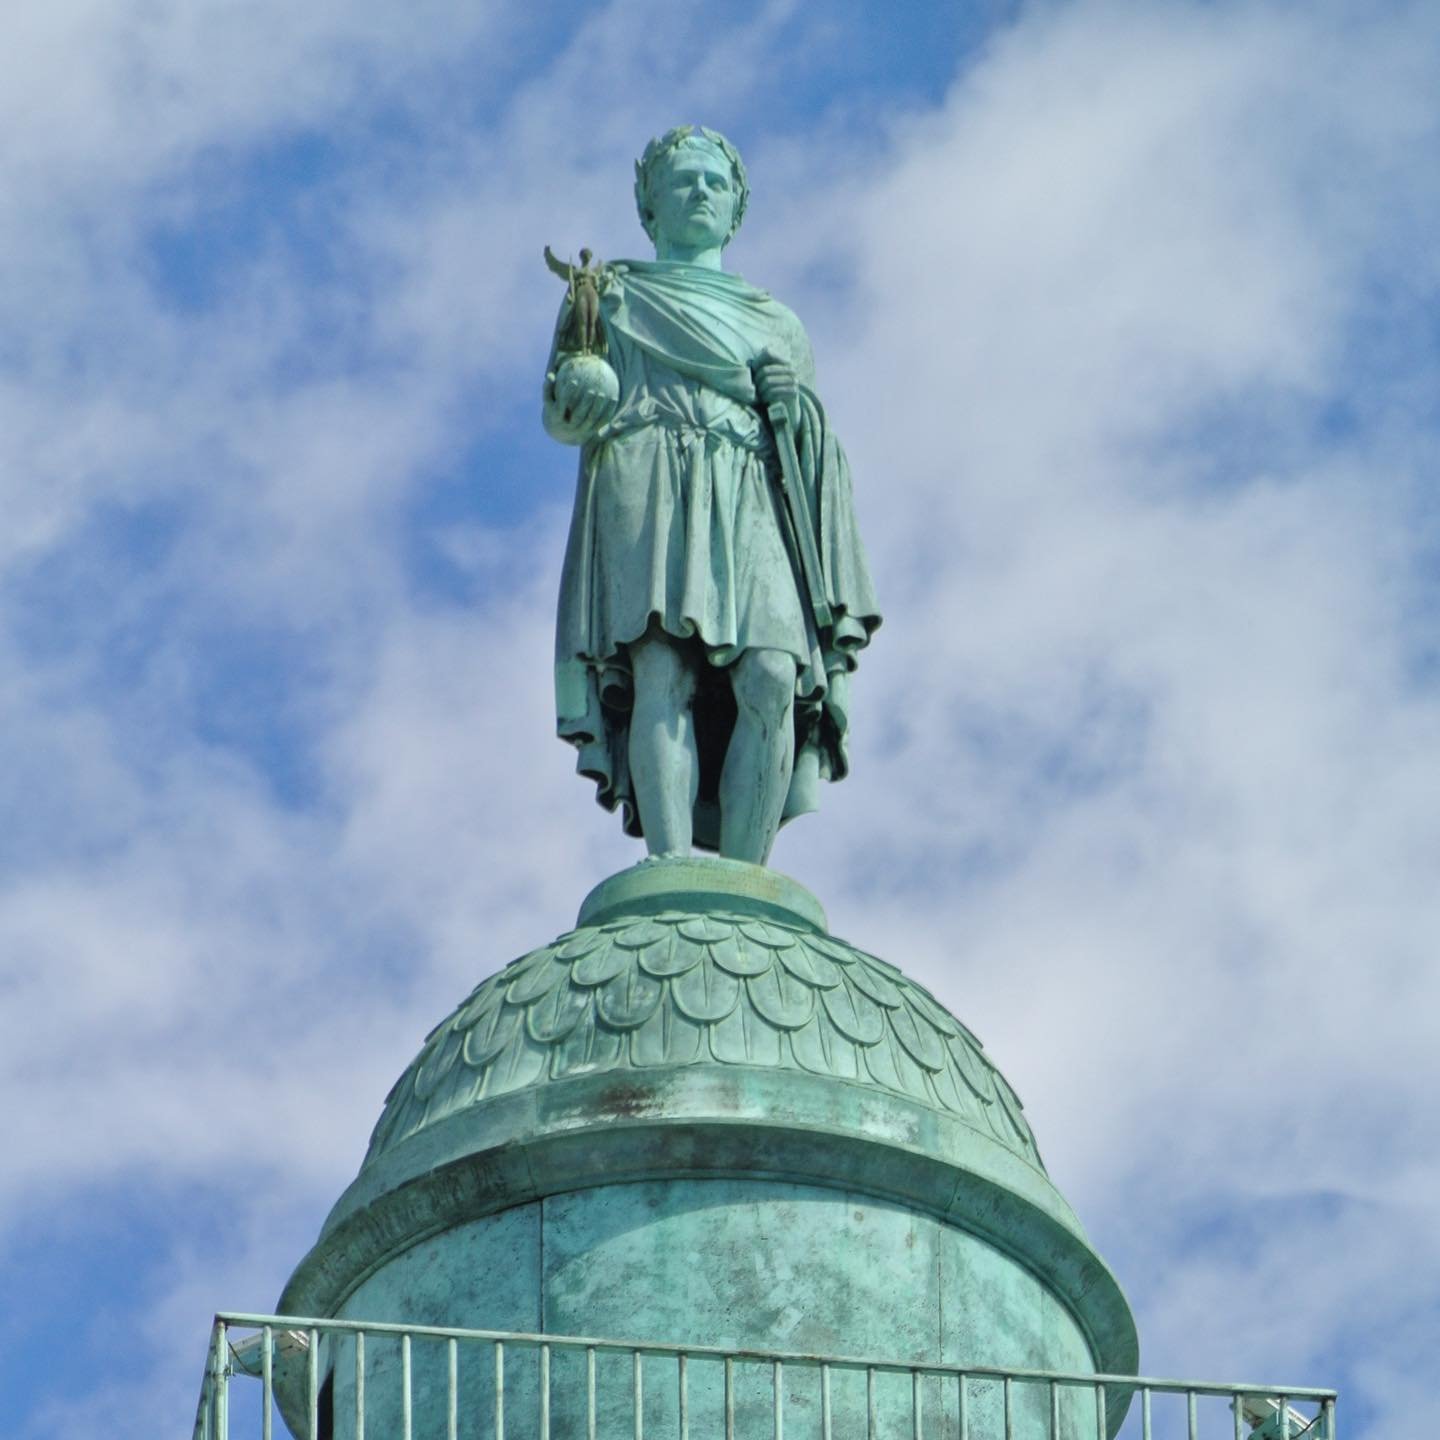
[[745, 981], [700, 1026]]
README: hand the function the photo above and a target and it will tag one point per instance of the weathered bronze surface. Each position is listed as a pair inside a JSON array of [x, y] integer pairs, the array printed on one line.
[[715, 596], [698, 1117], [694, 1097]]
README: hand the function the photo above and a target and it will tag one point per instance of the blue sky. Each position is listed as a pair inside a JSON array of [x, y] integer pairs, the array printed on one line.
[[1127, 313]]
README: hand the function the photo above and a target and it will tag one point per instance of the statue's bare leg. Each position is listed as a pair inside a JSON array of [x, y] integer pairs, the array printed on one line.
[[664, 763], [756, 776]]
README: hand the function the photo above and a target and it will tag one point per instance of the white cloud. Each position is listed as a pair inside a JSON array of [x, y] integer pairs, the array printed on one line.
[[1180, 867]]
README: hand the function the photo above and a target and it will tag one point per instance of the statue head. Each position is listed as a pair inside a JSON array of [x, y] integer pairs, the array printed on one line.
[[660, 157]]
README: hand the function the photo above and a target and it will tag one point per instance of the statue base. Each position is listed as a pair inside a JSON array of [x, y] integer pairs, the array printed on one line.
[[700, 1118], [699, 884]]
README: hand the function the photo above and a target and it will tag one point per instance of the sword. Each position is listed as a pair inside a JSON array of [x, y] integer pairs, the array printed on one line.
[[796, 510]]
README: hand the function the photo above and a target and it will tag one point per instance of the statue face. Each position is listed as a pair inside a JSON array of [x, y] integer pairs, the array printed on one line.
[[693, 199]]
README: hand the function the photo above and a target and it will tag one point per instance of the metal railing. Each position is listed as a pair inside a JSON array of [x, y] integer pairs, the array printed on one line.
[[347, 1380]]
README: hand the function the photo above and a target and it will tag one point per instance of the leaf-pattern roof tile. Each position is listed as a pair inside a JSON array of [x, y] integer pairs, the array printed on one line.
[[681, 988]]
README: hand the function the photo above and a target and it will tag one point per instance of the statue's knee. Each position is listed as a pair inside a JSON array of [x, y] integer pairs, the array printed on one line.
[[660, 672], [765, 681]]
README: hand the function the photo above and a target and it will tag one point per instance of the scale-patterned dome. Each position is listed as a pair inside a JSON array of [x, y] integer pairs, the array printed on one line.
[[680, 988], [699, 1025]]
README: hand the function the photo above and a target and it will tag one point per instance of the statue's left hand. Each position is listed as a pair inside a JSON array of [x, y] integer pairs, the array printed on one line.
[[777, 384]]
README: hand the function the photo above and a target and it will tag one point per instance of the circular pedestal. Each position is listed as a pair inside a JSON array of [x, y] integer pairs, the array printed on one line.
[[698, 1118]]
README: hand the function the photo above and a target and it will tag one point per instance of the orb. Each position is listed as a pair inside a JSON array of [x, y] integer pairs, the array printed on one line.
[[582, 375]]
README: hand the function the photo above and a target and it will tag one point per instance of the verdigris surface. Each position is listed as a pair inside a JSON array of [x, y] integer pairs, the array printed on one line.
[[715, 595], [700, 1117], [722, 987]]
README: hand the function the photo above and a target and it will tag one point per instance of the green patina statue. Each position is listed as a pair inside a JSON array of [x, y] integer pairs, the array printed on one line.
[[715, 596], [698, 1118]]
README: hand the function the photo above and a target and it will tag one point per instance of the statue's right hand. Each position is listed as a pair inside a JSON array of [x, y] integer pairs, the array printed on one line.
[[587, 394]]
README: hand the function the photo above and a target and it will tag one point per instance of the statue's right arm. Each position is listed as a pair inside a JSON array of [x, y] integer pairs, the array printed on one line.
[[586, 416], [552, 414], [587, 412]]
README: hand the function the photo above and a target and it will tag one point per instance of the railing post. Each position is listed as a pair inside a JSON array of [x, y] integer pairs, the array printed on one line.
[[222, 1381], [359, 1385], [499, 1390], [312, 1384], [589, 1392], [406, 1400], [452, 1389], [639, 1397], [205, 1422], [267, 1382]]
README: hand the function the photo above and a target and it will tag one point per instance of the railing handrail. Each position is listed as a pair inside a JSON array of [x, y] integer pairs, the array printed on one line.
[[229, 1318]]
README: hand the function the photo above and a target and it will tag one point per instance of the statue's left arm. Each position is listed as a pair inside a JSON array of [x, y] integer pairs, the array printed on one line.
[[826, 473], [785, 369]]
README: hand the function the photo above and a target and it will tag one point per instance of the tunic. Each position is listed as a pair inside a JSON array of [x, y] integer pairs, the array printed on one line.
[[678, 524]]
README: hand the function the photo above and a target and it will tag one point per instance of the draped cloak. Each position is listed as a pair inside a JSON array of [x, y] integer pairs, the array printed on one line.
[[677, 525]]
